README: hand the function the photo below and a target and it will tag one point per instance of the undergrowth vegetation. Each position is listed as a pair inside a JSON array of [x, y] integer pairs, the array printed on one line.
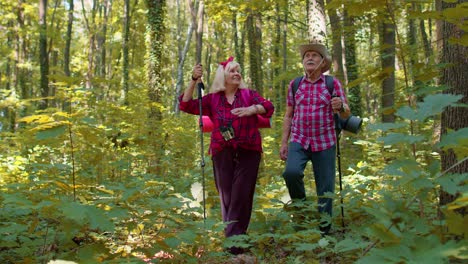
[[76, 186]]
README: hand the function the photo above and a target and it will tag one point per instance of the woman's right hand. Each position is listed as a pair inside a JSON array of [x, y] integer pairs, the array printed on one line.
[[197, 72]]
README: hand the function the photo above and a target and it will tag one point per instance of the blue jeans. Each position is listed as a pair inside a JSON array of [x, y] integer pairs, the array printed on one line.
[[324, 165]]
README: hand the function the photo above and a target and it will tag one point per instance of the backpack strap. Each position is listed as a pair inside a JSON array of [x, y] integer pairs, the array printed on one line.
[[329, 83]]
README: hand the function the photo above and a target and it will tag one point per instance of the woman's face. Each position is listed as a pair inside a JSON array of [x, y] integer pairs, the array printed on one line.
[[233, 77]]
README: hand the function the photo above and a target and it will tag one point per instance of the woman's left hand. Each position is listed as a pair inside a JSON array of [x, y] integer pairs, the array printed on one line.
[[244, 111]]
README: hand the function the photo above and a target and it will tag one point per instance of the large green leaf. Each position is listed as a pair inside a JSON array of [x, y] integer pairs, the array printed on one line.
[[399, 138], [52, 132], [432, 105]]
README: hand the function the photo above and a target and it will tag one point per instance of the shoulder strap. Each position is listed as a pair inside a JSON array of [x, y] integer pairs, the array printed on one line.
[[330, 84], [296, 85]]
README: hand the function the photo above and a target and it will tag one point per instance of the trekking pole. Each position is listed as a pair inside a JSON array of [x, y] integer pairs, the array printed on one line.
[[201, 86], [338, 156]]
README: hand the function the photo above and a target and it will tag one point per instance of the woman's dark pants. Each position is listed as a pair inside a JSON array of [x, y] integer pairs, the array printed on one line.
[[235, 172]]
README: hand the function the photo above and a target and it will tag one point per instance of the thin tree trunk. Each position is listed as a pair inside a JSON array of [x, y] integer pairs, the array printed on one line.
[[199, 33], [43, 58], [254, 39], [284, 83], [427, 45], [337, 33], [68, 37], [91, 37], [125, 62], [352, 72], [276, 58], [388, 66], [235, 35], [182, 55]]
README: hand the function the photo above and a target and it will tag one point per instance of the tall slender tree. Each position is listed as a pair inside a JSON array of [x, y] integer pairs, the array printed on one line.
[[183, 51], [254, 35], [455, 77], [156, 36], [352, 71], [43, 54], [125, 48], [387, 60], [337, 49], [199, 32], [68, 38]]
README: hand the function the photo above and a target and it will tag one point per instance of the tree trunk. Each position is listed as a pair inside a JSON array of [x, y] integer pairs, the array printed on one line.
[[235, 35], [43, 57], [317, 22], [90, 27], [182, 55], [255, 39], [427, 45], [337, 33], [387, 57], [156, 14], [276, 58], [284, 83], [352, 72], [156, 18], [125, 61], [199, 33], [68, 37], [455, 77]]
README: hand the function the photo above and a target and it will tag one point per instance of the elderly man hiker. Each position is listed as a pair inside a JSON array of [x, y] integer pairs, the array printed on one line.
[[309, 129]]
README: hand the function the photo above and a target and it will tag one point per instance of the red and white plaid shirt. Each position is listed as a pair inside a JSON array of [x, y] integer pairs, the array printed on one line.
[[313, 124], [216, 106]]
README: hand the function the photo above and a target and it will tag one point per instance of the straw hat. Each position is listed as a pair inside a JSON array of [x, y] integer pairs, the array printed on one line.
[[319, 48]]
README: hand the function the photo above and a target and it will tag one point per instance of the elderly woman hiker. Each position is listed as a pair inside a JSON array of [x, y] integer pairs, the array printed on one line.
[[235, 145]]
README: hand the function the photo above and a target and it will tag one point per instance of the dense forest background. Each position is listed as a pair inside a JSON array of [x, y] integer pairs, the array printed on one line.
[[97, 165]]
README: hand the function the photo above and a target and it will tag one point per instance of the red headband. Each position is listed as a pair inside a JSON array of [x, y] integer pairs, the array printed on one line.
[[224, 63]]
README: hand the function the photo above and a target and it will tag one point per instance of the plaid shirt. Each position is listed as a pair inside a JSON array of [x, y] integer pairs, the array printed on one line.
[[313, 124], [216, 106]]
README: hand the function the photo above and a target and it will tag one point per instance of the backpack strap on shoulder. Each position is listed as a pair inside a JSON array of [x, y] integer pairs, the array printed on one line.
[[297, 80], [330, 84]]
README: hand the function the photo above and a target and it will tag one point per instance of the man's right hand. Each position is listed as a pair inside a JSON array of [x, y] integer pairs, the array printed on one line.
[[284, 152]]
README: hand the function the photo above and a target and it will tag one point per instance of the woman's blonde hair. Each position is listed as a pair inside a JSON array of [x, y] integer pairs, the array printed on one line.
[[220, 77]]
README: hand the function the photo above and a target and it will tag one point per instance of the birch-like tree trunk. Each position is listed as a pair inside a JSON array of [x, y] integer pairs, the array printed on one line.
[[317, 22], [183, 54], [199, 33]]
